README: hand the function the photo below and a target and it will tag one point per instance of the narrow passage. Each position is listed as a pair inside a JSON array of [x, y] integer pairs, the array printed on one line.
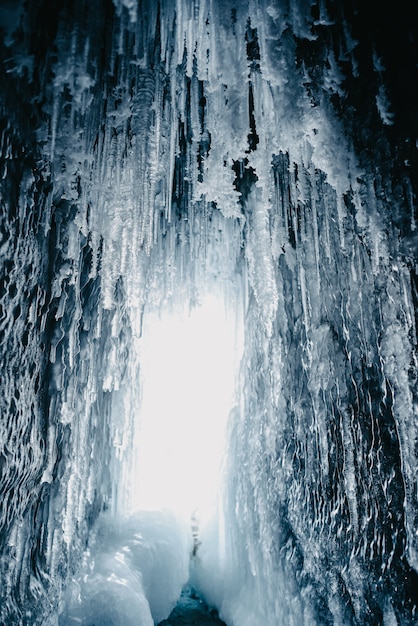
[[191, 610]]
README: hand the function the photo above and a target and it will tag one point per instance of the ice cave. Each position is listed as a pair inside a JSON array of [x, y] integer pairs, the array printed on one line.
[[208, 296]]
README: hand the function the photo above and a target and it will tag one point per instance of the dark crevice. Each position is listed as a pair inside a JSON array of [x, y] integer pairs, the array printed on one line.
[[192, 610]]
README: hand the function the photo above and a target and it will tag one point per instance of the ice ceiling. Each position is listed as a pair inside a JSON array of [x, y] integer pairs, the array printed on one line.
[[263, 152]]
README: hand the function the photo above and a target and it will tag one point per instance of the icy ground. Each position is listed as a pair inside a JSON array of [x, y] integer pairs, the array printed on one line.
[[133, 574]]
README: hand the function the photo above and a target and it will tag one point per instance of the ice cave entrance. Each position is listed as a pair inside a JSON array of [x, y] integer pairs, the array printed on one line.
[[188, 371]]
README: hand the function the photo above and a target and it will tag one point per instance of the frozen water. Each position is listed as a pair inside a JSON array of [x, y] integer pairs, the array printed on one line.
[[133, 573], [153, 154]]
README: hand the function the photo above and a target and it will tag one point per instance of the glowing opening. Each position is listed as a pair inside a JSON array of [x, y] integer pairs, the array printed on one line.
[[188, 363]]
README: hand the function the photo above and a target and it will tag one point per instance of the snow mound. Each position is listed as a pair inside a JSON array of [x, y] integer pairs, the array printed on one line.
[[133, 574]]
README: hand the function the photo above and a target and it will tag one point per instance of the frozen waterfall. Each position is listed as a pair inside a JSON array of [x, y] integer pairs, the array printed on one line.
[[157, 156]]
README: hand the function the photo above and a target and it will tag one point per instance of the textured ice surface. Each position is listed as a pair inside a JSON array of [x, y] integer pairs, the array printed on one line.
[[133, 573], [154, 152]]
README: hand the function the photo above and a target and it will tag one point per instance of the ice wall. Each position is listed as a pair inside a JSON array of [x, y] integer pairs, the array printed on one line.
[[153, 151]]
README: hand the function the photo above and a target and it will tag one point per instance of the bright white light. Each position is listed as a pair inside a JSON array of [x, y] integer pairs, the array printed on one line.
[[188, 365]]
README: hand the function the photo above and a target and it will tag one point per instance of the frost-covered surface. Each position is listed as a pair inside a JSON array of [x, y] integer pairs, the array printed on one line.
[[152, 151]]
